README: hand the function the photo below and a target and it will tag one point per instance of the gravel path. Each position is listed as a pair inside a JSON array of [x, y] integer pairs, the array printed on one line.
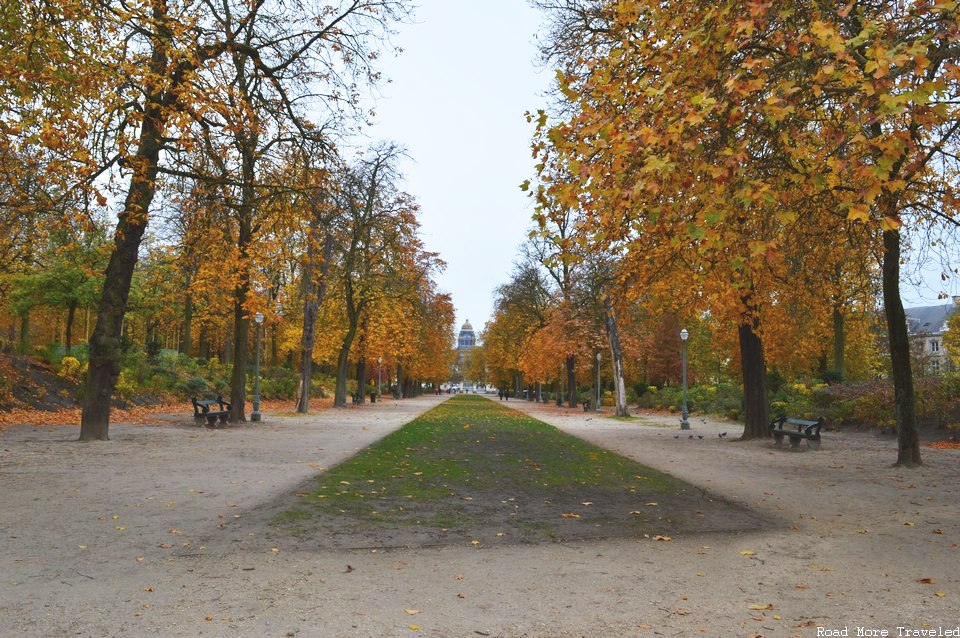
[[166, 531]]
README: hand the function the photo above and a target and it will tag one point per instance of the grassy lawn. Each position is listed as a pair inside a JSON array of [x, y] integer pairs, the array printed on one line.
[[472, 470]]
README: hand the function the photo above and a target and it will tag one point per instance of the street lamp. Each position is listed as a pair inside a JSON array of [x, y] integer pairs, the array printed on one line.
[[597, 408], [379, 385], [255, 415], [684, 421]]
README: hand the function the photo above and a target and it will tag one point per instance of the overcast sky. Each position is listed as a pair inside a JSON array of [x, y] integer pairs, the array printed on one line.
[[456, 101]]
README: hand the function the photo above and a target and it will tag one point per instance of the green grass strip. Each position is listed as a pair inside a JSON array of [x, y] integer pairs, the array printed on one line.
[[475, 466]]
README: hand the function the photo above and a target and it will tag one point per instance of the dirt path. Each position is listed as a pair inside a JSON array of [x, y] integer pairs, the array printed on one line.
[[165, 531]]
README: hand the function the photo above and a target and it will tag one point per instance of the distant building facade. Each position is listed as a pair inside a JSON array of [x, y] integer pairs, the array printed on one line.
[[927, 325], [466, 340]]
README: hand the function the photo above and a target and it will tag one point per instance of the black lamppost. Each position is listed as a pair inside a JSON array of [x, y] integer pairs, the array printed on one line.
[[255, 415], [379, 384], [684, 421]]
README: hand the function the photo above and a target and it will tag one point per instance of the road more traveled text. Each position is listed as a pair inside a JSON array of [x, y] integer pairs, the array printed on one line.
[[900, 632]]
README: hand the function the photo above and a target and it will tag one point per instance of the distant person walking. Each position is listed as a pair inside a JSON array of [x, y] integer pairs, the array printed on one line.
[[500, 394]]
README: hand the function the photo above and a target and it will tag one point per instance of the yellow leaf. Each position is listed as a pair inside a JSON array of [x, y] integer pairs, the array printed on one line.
[[120, 529], [570, 515], [415, 627], [747, 552], [274, 549], [761, 607], [890, 223], [940, 594], [411, 612], [859, 213]]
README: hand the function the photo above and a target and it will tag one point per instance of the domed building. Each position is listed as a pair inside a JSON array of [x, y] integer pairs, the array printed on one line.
[[466, 340]]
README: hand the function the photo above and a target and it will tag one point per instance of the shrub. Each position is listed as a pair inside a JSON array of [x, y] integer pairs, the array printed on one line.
[[193, 386], [126, 389], [72, 369]]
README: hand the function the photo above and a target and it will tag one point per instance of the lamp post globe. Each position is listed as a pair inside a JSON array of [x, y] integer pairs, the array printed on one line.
[[255, 415], [684, 421]]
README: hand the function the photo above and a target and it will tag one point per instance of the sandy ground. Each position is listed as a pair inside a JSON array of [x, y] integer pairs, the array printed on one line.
[[165, 531]]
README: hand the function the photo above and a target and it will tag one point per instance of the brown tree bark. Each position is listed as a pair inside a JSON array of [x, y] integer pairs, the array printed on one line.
[[104, 343], [908, 440], [756, 414], [616, 356], [839, 342], [314, 292], [571, 381]]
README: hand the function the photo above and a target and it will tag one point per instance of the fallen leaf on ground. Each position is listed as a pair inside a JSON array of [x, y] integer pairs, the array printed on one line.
[[756, 607], [411, 612], [927, 581], [665, 539], [747, 552], [570, 515]]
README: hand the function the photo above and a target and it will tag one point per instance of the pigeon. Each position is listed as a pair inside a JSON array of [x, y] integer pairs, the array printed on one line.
[[723, 434], [699, 436]]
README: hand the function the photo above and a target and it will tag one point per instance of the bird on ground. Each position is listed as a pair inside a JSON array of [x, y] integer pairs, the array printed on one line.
[[699, 436], [723, 434]]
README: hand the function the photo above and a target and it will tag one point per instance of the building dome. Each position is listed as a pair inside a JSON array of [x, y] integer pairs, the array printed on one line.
[[467, 338]]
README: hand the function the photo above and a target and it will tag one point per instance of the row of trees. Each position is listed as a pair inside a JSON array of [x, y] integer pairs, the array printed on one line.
[[758, 166], [218, 124]]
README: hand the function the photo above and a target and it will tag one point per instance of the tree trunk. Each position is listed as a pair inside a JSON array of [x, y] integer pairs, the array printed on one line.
[[362, 379], [238, 376], [908, 440], [571, 381], [314, 292], [343, 361], [68, 331], [839, 341], [104, 345], [187, 324], [756, 416], [399, 391], [616, 356], [24, 345], [241, 320]]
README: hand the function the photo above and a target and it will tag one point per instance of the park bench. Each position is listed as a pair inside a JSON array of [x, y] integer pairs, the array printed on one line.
[[809, 430], [203, 410]]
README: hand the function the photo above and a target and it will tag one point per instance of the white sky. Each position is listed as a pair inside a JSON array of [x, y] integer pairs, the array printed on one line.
[[456, 101]]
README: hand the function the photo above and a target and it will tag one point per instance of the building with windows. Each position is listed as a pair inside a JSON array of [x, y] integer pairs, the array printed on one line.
[[927, 325], [466, 341], [467, 338]]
